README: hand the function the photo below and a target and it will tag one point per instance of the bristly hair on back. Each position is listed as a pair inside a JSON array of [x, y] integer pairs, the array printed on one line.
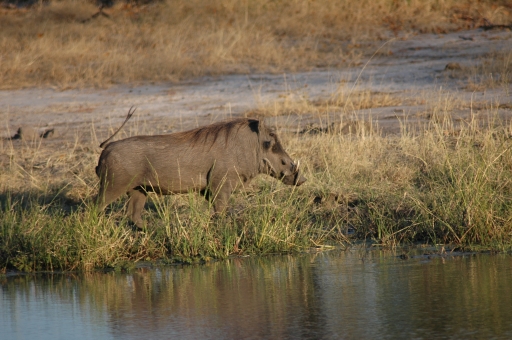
[[213, 131]]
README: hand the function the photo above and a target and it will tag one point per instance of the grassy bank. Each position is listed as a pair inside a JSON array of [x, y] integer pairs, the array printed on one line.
[[449, 182], [61, 44]]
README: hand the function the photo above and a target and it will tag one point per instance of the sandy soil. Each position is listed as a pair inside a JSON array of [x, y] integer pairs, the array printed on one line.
[[412, 68]]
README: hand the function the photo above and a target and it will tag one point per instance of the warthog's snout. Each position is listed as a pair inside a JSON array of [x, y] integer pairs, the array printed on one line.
[[290, 173], [294, 177]]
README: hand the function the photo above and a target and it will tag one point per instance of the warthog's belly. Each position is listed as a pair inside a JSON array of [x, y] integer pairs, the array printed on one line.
[[175, 186]]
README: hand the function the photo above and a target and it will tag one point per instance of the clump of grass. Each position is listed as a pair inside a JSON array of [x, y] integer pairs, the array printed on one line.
[[446, 184], [344, 101], [56, 44], [495, 70], [465, 190]]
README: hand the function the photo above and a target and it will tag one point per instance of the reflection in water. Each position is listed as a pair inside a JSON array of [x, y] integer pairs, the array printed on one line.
[[331, 295]]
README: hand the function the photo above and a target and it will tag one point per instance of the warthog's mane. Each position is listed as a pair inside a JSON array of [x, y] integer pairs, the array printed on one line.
[[211, 133]]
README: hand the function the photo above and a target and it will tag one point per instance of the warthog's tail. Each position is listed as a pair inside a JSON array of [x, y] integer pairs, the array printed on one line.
[[128, 116]]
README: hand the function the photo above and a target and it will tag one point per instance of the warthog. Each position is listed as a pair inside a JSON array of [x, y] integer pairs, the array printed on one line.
[[212, 160]]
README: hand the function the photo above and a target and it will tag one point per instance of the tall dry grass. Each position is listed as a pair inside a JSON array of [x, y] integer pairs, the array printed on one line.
[[444, 183], [58, 44]]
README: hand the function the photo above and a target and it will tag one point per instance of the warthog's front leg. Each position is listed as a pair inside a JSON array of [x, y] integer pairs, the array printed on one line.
[[221, 197]]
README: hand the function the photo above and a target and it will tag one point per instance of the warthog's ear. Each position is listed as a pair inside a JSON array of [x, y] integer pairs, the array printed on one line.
[[254, 125]]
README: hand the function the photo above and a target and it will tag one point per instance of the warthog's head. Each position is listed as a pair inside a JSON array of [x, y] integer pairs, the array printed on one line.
[[277, 163]]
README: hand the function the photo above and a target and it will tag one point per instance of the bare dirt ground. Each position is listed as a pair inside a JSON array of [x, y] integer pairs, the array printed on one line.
[[415, 70]]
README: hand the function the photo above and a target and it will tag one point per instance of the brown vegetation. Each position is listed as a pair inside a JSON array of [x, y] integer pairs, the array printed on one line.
[[63, 44]]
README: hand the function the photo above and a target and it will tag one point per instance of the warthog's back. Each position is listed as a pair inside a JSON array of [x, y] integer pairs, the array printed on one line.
[[182, 161]]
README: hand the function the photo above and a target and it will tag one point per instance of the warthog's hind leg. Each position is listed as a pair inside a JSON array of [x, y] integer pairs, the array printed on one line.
[[135, 206], [108, 194]]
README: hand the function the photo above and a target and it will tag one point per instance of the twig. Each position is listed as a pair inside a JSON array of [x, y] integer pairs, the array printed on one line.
[[97, 14]]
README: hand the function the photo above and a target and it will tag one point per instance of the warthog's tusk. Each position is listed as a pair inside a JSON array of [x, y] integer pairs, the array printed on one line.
[[270, 165], [297, 166]]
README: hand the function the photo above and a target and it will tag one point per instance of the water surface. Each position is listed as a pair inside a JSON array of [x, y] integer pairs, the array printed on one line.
[[329, 295]]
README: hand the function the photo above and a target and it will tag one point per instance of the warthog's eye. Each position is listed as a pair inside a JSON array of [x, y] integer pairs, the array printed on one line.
[[266, 144], [272, 134]]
